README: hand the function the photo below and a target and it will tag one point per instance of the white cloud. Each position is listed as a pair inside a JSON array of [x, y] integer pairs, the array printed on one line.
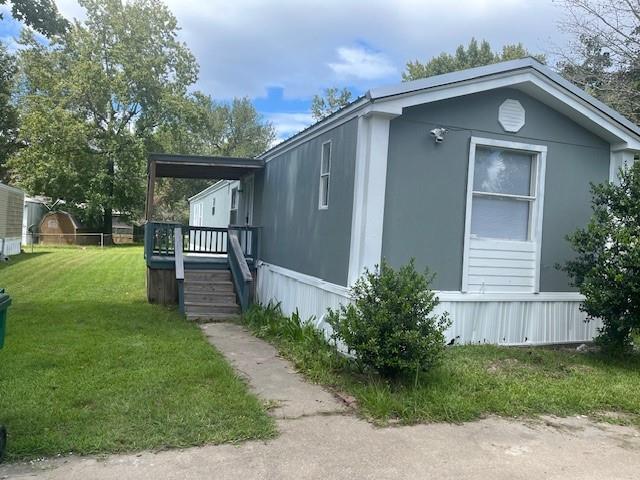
[[288, 124], [361, 63], [246, 46]]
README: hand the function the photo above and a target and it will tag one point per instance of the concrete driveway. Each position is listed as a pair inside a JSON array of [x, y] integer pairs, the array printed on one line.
[[321, 438]]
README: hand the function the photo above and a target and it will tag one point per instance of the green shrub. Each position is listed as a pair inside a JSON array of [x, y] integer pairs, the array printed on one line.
[[389, 326], [607, 265]]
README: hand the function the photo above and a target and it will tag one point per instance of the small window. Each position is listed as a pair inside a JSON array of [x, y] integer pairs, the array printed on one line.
[[503, 193], [213, 206], [325, 169], [233, 217]]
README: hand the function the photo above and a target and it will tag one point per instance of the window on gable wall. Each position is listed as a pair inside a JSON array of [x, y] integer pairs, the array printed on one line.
[[504, 217], [325, 174], [213, 206]]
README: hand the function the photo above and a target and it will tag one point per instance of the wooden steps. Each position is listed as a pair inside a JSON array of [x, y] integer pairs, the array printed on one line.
[[209, 296]]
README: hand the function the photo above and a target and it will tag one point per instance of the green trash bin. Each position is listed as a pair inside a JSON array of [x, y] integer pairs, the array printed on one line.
[[5, 301]]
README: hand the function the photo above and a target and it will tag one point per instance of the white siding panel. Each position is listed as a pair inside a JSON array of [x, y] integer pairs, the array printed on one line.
[[501, 266], [518, 323], [10, 246]]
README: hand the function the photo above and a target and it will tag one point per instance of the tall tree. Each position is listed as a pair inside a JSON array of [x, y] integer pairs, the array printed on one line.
[[8, 112], [333, 99], [474, 55], [41, 15], [604, 54], [91, 98], [202, 126]]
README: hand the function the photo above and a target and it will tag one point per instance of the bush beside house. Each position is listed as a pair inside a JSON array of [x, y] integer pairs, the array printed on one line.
[[390, 326]]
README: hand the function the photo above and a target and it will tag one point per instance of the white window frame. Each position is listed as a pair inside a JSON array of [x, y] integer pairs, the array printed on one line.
[[233, 201], [198, 214], [537, 200], [326, 174]]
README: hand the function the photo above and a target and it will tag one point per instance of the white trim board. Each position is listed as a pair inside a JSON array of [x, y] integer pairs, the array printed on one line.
[[307, 279]]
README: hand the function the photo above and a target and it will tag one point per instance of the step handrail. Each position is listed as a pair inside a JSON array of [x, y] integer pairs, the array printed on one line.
[[179, 265], [240, 273]]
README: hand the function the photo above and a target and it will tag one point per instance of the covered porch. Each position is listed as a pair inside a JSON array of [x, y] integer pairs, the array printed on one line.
[[172, 248]]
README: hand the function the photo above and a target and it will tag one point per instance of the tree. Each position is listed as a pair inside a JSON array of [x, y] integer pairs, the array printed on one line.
[[89, 101], [473, 56], [607, 266], [41, 15], [603, 57], [333, 100], [8, 112], [202, 126]]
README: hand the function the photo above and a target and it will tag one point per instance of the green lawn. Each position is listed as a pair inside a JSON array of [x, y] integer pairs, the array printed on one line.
[[472, 382], [89, 366]]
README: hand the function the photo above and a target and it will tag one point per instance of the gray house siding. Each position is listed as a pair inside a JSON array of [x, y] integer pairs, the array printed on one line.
[[426, 182], [296, 234]]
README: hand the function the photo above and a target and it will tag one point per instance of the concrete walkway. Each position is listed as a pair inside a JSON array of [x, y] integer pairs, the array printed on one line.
[[320, 439]]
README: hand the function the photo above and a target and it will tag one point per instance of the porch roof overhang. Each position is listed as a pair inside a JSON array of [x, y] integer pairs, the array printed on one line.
[[196, 166], [205, 167]]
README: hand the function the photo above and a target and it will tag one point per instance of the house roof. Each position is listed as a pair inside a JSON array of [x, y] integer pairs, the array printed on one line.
[[499, 68], [210, 189], [527, 74], [197, 166]]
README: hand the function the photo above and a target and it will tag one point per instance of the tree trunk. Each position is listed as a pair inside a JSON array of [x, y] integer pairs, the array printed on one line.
[[107, 225]]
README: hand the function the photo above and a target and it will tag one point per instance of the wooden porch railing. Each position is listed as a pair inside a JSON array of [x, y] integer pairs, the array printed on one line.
[[239, 243], [240, 273], [160, 239]]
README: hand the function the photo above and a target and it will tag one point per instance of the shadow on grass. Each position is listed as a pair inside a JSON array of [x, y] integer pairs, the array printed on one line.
[[22, 257]]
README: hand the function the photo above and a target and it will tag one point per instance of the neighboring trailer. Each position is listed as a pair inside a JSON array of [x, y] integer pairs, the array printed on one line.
[[34, 210], [215, 206], [11, 212]]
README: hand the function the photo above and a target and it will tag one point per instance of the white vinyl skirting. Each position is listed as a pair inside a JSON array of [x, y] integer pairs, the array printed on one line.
[[10, 246], [517, 322]]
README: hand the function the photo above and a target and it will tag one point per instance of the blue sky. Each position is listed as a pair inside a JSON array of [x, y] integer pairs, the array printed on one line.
[[280, 53]]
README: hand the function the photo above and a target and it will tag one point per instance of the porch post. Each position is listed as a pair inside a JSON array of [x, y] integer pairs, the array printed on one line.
[[151, 182]]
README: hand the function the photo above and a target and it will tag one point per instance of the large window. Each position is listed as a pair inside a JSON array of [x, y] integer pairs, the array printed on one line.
[[325, 173], [504, 191]]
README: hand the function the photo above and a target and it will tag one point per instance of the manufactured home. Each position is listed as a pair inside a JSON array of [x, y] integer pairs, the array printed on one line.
[[478, 174], [215, 206], [11, 212]]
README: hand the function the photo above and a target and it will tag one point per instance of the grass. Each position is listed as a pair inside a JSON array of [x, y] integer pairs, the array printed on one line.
[[472, 382], [90, 367]]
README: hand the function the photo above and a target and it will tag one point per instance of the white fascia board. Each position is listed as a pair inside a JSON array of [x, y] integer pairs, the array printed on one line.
[[319, 128]]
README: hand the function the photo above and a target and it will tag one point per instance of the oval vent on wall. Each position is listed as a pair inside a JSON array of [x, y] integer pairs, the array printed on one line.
[[511, 115]]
